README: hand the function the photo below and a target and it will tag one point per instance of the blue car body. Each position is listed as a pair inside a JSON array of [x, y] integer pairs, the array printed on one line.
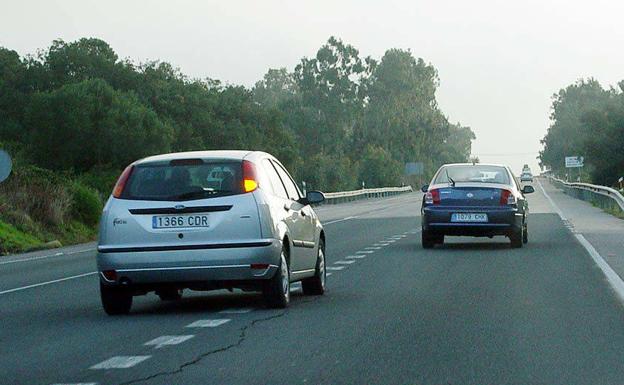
[[473, 205]]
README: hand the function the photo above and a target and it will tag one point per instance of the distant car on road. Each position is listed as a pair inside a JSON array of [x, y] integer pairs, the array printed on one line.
[[208, 220], [526, 176], [481, 200]]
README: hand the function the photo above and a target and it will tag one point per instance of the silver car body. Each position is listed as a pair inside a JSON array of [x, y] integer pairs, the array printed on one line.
[[244, 231]]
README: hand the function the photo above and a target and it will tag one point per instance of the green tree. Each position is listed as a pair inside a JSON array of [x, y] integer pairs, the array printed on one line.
[[87, 124]]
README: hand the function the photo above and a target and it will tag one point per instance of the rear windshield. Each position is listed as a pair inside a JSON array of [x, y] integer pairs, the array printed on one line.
[[175, 182], [472, 173]]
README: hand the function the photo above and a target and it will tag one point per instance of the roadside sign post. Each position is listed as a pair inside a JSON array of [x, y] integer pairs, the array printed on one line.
[[414, 171], [575, 162], [5, 165]]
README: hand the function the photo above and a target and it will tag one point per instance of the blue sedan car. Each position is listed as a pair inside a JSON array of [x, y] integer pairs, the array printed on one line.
[[481, 200]]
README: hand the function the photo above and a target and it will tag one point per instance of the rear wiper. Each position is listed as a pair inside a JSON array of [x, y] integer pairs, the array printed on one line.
[[451, 181]]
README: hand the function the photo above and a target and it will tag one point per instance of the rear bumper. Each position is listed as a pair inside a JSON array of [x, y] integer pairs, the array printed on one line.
[[501, 221], [183, 264]]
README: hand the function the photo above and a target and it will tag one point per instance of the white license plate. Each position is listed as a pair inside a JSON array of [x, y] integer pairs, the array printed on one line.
[[179, 221], [469, 217]]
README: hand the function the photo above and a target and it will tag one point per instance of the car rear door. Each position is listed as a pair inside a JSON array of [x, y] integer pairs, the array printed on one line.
[[305, 221]]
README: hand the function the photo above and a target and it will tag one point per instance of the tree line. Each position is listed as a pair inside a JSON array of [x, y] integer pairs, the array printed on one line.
[[587, 120], [335, 120]]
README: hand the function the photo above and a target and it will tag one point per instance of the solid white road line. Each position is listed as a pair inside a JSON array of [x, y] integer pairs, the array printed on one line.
[[334, 268], [236, 311], [612, 277], [208, 323], [47, 283], [552, 203], [58, 254], [120, 362], [339, 220], [161, 341], [345, 262]]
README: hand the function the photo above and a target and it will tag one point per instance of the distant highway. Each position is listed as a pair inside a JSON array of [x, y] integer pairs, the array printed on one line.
[[474, 311]]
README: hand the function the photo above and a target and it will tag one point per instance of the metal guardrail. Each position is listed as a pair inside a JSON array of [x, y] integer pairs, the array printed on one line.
[[606, 198], [346, 196]]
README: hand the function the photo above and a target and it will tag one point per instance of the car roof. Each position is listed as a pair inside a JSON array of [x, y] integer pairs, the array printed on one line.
[[473, 164], [215, 154]]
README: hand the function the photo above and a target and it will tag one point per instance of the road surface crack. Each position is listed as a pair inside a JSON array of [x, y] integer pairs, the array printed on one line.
[[241, 339]]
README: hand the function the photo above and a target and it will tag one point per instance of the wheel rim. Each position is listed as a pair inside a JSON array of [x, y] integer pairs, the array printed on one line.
[[285, 278], [322, 266]]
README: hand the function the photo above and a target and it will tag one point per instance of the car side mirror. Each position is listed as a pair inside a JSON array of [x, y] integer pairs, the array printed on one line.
[[312, 197], [424, 188], [528, 189]]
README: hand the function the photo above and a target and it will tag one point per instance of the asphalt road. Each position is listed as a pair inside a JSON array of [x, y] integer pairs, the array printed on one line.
[[474, 311]]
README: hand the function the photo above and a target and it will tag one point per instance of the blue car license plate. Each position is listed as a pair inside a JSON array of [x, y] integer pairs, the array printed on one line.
[[469, 217]]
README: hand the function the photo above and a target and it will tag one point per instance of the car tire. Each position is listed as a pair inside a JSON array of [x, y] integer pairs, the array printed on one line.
[[115, 300], [316, 285], [427, 240], [516, 238], [276, 290], [525, 235], [439, 240], [169, 294]]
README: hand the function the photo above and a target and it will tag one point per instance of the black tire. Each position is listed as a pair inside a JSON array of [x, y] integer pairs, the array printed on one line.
[[525, 235], [428, 241], [439, 240], [516, 239], [276, 291], [171, 294], [316, 285], [115, 300]]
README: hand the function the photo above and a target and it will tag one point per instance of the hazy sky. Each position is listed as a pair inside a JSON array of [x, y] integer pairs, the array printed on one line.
[[499, 62]]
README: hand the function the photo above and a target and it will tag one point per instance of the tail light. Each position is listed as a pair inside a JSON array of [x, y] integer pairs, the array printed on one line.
[[121, 182], [432, 197], [250, 180], [507, 198]]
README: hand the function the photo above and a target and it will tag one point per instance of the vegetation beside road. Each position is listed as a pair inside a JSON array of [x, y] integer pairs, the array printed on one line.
[[588, 121], [74, 115]]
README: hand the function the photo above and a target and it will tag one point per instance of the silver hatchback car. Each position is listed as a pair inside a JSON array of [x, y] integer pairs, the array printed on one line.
[[208, 220]]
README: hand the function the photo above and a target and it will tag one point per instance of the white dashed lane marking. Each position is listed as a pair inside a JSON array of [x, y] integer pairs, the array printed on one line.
[[296, 287], [77, 383], [120, 362], [344, 262], [364, 252], [208, 323], [372, 248], [168, 340], [334, 268], [236, 311], [355, 256], [328, 274]]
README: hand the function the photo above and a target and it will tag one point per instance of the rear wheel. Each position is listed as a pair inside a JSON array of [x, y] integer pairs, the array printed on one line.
[[516, 238], [115, 300], [525, 235], [428, 241], [276, 290], [316, 285]]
